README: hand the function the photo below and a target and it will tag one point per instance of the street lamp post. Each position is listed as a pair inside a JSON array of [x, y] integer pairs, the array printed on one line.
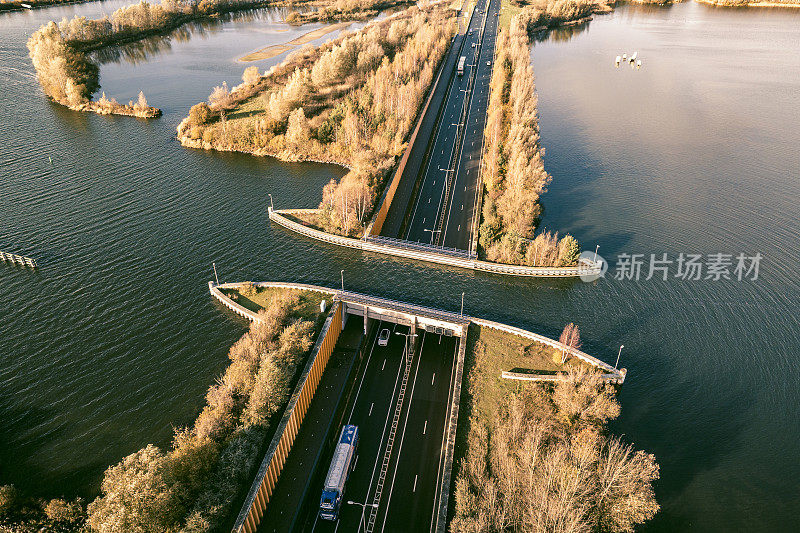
[[462, 304], [271, 206], [621, 346], [215, 272], [342, 280], [433, 232], [595, 252], [407, 336], [363, 508]]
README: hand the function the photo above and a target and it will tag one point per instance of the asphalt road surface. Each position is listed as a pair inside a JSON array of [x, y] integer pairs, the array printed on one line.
[[411, 479], [445, 206]]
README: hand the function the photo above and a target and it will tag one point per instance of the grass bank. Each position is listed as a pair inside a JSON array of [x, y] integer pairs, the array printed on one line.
[[536, 457]]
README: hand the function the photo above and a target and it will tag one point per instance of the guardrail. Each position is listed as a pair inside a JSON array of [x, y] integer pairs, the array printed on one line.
[[428, 253], [18, 259], [619, 374]]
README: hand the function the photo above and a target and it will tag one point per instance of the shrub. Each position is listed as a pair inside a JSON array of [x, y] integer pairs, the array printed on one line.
[[59, 510], [199, 114], [9, 500]]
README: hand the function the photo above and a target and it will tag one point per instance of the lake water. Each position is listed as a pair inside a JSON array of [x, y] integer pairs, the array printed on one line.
[[114, 340]]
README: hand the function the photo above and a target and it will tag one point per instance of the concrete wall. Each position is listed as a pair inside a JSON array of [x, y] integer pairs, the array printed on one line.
[[413, 252], [379, 218], [270, 470], [613, 378]]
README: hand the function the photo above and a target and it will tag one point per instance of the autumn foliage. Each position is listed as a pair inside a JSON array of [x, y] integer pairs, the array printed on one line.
[[513, 172], [59, 50], [351, 101], [540, 460]]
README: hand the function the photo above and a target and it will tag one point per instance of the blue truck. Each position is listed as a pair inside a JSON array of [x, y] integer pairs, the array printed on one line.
[[342, 464]]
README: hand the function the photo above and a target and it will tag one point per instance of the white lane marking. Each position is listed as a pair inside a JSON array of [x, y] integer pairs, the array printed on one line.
[[366, 367], [370, 411], [423, 220], [437, 494], [433, 378], [384, 364], [462, 207], [424, 429], [459, 227], [429, 200], [385, 424], [415, 484], [356, 462], [403, 434]]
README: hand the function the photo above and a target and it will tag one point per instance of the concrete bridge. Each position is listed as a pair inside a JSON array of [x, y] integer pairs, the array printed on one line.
[[418, 319]]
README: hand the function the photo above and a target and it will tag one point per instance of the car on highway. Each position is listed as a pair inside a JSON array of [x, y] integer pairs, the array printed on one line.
[[383, 338]]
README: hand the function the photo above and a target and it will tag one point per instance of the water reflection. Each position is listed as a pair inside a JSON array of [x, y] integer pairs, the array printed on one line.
[[140, 51]]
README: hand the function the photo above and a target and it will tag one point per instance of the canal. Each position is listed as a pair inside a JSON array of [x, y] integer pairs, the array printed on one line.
[[114, 340]]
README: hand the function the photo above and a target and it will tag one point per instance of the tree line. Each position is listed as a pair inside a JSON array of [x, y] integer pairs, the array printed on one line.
[[192, 486], [540, 460], [351, 101], [513, 172], [343, 9], [59, 50]]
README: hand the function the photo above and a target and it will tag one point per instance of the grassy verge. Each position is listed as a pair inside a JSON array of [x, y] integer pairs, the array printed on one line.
[[499, 352], [507, 10], [259, 298], [536, 456], [312, 220]]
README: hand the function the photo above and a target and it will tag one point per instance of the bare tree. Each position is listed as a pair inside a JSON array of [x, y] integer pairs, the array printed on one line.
[[570, 339]]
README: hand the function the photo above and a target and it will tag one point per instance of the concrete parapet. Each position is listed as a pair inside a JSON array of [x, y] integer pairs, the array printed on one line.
[[619, 374], [431, 254], [613, 378]]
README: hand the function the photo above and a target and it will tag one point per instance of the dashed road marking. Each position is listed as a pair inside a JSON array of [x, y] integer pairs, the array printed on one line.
[[384, 364], [433, 378], [415, 484], [424, 429], [370, 410]]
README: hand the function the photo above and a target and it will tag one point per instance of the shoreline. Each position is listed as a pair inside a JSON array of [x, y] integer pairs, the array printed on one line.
[[752, 4], [273, 50]]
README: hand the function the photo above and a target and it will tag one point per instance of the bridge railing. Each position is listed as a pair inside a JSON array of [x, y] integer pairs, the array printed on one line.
[[402, 307], [420, 246], [433, 254]]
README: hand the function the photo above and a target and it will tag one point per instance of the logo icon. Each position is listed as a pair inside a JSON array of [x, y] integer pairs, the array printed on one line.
[[592, 266]]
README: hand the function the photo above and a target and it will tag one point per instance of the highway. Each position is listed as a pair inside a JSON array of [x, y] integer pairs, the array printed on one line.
[[398, 464], [444, 208]]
